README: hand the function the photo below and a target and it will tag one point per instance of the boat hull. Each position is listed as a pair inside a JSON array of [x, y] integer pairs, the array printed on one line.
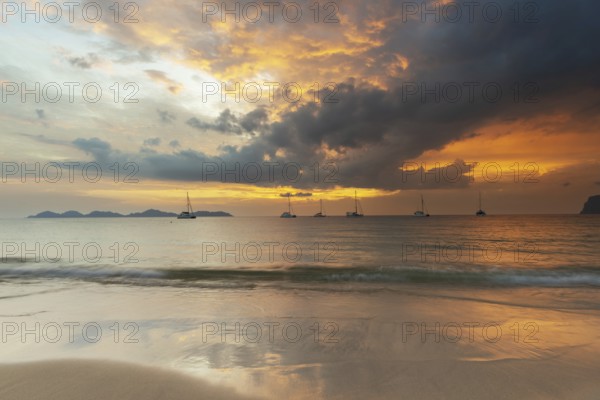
[[185, 215], [354, 215]]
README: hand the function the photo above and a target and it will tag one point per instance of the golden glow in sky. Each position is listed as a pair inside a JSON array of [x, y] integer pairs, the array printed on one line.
[[367, 87]]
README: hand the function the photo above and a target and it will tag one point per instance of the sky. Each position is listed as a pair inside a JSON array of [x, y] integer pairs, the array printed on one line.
[[128, 106]]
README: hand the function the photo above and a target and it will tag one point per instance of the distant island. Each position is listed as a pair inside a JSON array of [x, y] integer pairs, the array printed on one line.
[[109, 214], [592, 205]]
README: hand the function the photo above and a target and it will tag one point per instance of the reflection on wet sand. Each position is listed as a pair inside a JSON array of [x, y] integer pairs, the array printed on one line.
[[421, 341]]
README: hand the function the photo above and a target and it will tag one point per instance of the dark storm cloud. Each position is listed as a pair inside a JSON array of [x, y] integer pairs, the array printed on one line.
[[298, 194], [228, 123], [191, 165], [247, 165], [372, 130], [543, 68], [254, 120], [553, 64], [101, 151]]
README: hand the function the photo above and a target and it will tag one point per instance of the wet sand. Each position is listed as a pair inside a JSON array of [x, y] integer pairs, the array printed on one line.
[[102, 380], [421, 342]]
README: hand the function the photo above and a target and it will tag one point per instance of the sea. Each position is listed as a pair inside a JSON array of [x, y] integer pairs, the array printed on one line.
[[331, 307]]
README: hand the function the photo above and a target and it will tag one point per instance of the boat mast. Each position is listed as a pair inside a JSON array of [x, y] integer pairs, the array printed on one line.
[[355, 203], [189, 204], [289, 204], [321, 208], [480, 200], [422, 205]]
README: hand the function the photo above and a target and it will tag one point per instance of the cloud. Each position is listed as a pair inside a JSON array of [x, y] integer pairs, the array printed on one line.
[[152, 142], [41, 115], [377, 60], [84, 62], [166, 116], [101, 151], [458, 174], [228, 123], [239, 165], [371, 132], [161, 77], [174, 143], [255, 120], [298, 194], [46, 140]]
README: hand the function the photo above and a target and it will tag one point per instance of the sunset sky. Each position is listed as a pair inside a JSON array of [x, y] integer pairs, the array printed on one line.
[[393, 104]]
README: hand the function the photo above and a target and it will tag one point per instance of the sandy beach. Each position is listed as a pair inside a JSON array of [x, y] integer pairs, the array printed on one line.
[[102, 380], [412, 342]]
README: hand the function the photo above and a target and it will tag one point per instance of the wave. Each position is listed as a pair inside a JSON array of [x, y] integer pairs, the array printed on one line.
[[249, 277]]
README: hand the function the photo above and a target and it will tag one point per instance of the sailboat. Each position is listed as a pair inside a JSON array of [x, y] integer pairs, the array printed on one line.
[[356, 207], [320, 213], [480, 212], [288, 213], [189, 214], [421, 212]]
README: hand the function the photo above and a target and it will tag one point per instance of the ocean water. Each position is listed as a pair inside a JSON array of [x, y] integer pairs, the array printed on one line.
[[495, 250], [376, 307]]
